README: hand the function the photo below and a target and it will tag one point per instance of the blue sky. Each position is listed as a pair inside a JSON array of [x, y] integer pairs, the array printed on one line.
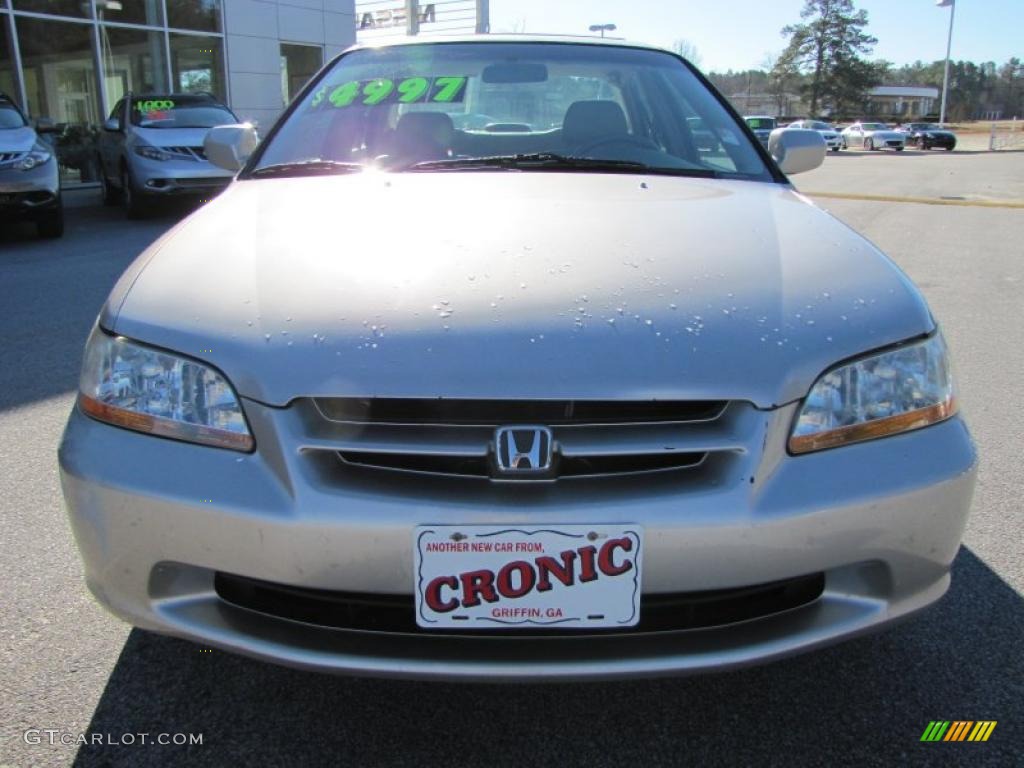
[[738, 33]]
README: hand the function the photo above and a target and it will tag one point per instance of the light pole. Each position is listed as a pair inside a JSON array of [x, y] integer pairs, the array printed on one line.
[[949, 45], [602, 28]]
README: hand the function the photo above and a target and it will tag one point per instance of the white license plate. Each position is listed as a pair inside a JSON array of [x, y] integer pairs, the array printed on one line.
[[506, 577]]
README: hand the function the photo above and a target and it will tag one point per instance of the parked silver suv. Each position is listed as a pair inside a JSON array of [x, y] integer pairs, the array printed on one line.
[[152, 147], [29, 177]]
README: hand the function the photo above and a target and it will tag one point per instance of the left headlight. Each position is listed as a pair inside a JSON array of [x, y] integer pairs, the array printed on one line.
[[148, 390], [906, 388], [36, 156]]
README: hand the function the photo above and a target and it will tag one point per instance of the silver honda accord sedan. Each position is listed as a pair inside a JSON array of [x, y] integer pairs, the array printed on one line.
[[486, 367]]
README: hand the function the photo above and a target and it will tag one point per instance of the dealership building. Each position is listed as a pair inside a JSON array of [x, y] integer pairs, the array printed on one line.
[[71, 60]]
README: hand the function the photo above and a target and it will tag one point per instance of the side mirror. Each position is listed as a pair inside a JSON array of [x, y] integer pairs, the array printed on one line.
[[45, 125], [229, 146], [796, 150], [112, 124]]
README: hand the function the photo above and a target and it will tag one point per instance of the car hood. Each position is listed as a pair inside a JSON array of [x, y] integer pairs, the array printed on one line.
[[515, 285], [171, 137], [17, 139]]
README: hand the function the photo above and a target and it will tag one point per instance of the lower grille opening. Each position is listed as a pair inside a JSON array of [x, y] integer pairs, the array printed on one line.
[[395, 613]]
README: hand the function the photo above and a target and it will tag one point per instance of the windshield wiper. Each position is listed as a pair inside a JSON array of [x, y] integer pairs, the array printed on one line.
[[307, 168], [554, 161]]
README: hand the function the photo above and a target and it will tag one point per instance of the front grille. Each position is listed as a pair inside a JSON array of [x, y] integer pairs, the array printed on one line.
[[10, 157], [457, 437], [396, 613], [493, 413]]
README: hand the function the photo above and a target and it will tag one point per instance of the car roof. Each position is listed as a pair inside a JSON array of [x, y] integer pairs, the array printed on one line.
[[610, 42]]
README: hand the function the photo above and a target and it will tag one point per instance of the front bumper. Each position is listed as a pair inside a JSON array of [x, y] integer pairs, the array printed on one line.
[[937, 142], [28, 194], [881, 520], [178, 177]]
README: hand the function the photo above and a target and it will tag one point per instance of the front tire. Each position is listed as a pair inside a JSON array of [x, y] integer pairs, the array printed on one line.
[[922, 145], [111, 195], [134, 206], [51, 225], [869, 145]]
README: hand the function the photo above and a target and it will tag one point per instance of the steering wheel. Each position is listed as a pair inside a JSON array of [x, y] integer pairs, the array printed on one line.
[[624, 140]]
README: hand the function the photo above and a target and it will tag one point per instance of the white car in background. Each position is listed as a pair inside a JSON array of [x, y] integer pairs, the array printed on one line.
[[873, 136], [828, 132]]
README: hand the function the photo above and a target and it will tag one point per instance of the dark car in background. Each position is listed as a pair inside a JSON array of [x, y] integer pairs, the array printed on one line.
[[29, 178], [928, 136]]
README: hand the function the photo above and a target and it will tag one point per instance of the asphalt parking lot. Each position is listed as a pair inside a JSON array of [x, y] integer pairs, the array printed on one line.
[[68, 666]]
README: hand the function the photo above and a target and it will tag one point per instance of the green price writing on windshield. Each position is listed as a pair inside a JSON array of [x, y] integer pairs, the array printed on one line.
[[443, 90], [154, 105]]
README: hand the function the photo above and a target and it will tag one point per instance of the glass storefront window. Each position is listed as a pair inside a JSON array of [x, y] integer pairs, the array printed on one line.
[[140, 46], [197, 64], [76, 8], [149, 12], [298, 64], [7, 84], [201, 15], [133, 60], [60, 84]]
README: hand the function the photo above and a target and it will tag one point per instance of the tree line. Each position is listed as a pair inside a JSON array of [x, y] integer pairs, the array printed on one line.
[[825, 63]]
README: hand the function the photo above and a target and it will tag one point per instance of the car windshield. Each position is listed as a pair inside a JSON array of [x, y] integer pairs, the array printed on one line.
[[179, 111], [10, 117], [760, 123], [873, 127], [523, 106], [817, 126]]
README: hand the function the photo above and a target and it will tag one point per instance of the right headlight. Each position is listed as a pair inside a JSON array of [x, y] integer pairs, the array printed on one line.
[[906, 388], [152, 153], [149, 390], [38, 155]]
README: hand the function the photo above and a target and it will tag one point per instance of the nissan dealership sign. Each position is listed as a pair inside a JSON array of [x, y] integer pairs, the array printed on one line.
[[389, 18]]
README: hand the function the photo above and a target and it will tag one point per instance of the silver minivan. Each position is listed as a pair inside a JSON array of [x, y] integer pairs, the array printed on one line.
[[152, 148]]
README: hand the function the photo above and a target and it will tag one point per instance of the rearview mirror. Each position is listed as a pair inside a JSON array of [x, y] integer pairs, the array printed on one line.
[[515, 72], [796, 150], [45, 125], [112, 124], [229, 146]]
